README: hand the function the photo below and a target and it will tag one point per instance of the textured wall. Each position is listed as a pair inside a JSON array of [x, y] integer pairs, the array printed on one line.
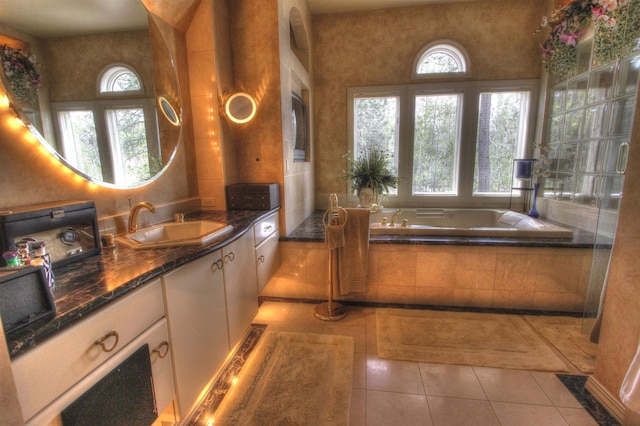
[[376, 48]]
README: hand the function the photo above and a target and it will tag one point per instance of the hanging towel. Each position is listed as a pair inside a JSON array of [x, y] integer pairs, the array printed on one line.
[[353, 257], [630, 389], [334, 230]]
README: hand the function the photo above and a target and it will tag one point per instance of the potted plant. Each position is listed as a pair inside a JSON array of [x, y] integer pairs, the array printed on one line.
[[371, 175]]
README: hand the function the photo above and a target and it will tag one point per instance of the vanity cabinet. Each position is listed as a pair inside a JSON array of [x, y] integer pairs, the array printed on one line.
[[210, 302], [240, 286], [46, 372], [266, 247], [197, 315]]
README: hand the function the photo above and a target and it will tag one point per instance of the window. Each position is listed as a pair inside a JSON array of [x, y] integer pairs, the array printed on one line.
[[119, 78], [441, 58], [114, 140], [500, 138], [452, 144], [436, 142], [376, 125]]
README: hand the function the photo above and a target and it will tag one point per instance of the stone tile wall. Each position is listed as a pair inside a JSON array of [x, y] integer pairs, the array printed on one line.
[[470, 276]]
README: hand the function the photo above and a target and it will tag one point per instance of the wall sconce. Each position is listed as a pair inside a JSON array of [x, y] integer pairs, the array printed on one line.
[[169, 110], [240, 107]]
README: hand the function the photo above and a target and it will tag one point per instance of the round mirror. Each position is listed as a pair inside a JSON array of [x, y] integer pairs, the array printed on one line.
[[240, 107], [100, 72]]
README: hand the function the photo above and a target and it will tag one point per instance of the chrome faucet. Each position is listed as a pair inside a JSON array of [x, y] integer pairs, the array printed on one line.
[[133, 214], [394, 217]]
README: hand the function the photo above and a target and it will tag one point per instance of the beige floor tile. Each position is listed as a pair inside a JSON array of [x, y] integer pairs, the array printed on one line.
[[457, 381], [271, 312], [358, 334], [393, 376], [357, 416], [577, 417], [511, 386], [389, 408], [558, 393], [511, 414], [359, 371], [461, 412]]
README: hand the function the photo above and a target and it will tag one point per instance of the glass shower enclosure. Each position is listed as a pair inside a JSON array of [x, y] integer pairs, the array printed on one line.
[[590, 122]]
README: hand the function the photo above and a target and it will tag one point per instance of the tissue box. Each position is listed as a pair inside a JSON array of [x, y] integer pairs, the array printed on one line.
[[253, 196]]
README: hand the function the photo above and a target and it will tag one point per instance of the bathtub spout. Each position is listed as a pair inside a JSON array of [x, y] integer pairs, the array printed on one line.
[[395, 217]]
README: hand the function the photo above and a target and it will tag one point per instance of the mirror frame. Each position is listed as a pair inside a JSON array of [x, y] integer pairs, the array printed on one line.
[[174, 106]]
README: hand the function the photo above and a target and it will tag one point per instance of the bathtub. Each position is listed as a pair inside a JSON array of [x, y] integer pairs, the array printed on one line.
[[464, 222]]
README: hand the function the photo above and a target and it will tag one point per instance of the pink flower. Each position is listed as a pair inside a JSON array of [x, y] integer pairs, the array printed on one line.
[[569, 39]]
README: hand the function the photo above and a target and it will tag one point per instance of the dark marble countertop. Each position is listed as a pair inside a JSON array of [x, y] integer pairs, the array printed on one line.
[[91, 283], [312, 230]]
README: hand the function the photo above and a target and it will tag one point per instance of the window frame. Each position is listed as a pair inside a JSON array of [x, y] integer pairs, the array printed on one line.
[[470, 91]]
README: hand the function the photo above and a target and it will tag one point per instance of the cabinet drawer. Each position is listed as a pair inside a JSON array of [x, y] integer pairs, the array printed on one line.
[[157, 339], [265, 227], [46, 371]]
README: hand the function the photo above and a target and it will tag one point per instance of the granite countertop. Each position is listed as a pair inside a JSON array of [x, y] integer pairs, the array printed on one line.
[[91, 283], [312, 230]]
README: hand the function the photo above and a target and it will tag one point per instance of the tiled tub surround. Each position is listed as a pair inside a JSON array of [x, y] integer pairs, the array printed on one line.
[[523, 274], [87, 285]]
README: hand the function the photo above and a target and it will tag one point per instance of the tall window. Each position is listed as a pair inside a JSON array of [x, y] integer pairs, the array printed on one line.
[[501, 136], [115, 139], [436, 142], [376, 126], [452, 143]]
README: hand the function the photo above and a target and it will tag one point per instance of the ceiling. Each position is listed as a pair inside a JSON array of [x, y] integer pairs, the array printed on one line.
[[44, 18], [340, 6], [51, 18]]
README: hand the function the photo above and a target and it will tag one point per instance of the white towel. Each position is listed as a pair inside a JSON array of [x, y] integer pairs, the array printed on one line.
[[630, 389]]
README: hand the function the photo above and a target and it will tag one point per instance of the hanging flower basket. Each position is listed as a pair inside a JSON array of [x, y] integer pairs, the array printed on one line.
[[20, 70], [616, 25]]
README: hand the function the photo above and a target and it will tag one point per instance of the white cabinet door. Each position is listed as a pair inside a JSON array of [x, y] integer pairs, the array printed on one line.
[[240, 286], [267, 260], [196, 313]]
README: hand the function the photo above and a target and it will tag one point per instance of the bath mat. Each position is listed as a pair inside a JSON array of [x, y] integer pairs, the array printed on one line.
[[565, 334], [293, 379], [488, 340]]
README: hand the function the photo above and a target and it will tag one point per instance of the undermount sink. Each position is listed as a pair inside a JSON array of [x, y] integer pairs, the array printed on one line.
[[175, 234]]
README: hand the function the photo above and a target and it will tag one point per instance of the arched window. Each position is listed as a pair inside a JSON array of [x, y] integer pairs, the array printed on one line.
[[441, 58], [119, 78]]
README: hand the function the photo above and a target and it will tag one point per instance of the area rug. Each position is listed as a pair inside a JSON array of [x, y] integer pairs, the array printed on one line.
[[468, 338], [292, 379], [565, 334]]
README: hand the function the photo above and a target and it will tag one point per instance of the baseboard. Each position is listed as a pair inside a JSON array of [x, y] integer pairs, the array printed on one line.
[[606, 398]]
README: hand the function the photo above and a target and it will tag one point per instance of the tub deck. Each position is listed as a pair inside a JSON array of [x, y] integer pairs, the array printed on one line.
[[312, 230]]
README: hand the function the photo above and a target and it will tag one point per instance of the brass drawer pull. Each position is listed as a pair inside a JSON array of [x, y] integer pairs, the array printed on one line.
[[218, 264], [229, 257], [268, 228], [102, 341], [261, 259], [159, 349]]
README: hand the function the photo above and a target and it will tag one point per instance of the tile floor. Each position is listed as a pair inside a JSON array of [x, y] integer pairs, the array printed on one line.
[[387, 392]]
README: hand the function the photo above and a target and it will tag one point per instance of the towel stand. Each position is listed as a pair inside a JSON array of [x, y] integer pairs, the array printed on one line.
[[330, 310]]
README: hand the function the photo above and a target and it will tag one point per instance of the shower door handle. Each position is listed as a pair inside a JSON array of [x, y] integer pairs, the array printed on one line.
[[621, 162]]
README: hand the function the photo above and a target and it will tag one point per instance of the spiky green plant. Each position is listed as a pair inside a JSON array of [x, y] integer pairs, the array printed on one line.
[[372, 170]]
